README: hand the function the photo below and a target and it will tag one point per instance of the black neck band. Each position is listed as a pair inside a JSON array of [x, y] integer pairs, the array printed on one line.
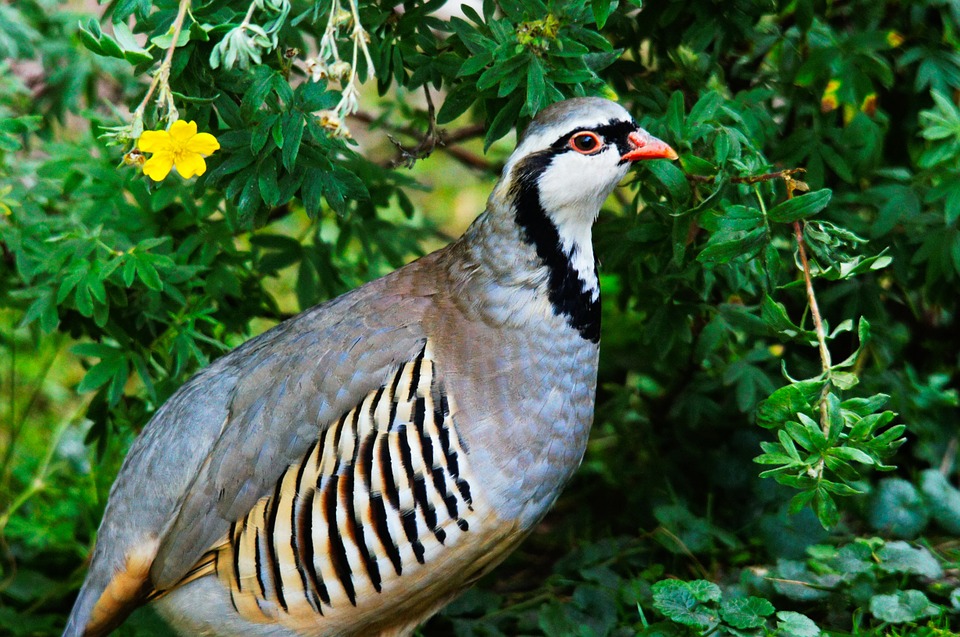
[[565, 287]]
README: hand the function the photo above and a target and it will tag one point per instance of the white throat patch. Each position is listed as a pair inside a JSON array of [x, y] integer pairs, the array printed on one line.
[[572, 189]]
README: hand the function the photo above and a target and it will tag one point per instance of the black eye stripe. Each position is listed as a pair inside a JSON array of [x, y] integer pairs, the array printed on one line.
[[612, 133]]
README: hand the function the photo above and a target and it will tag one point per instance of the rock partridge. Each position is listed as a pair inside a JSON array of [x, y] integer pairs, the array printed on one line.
[[356, 467]]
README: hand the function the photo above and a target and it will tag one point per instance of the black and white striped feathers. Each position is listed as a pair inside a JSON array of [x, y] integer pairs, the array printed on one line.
[[382, 490]]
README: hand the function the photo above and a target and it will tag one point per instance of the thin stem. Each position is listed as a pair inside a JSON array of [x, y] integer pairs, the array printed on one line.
[[18, 422], [330, 33], [812, 300], [448, 140], [13, 406], [249, 16], [946, 465], [360, 39], [750, 179], [767, 276], [37, 483], [163, 73], [821, 335]]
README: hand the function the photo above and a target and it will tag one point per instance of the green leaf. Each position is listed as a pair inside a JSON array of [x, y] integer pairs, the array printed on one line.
[[256, 95], [536, 88], [774, 315], [704, 591], [292, 136], [103, 373], [311, 191], [786, 402], [794, 624], [499, 71], [799, 501], [123, 9], [110, 47], [132, 51], [826, 509], [865, 406], [147, 273], [475, 42], [942, 499], [314, 96], [333, 192], [867, 425], [900, 557], [475, 64], [456, 103], [249, 201], [706, 107], [675, 115], [267, 177], [723, 247], [699, 166], [844, 380], [801, 435], [897, 509], [602, 10], [800, 207], [260, 135], [851, 454], [671, 177], [746, 612], [164, 40], [678, 602], [902, 607], [503, 121], [89, 40]]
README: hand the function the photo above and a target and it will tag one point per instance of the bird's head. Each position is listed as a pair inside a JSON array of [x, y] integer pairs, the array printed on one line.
[[573, 154], [569, 159]]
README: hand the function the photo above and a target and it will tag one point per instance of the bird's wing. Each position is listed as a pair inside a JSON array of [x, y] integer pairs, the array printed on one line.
[[222, 441], [286, 393]]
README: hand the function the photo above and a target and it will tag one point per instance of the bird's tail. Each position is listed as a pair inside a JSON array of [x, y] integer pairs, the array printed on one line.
[[110, 593]]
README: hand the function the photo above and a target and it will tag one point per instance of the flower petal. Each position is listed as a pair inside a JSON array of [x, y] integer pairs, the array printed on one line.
[[181, 132], [154, 141], [158, 166], [190, 164], [203, 143]]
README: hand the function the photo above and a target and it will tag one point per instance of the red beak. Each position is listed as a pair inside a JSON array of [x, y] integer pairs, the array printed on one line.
[[646, 146]]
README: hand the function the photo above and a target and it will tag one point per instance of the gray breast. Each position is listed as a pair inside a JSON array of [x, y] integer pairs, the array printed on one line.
[[524, 405]]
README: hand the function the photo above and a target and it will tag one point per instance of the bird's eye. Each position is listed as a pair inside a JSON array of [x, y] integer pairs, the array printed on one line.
[[586, 143]]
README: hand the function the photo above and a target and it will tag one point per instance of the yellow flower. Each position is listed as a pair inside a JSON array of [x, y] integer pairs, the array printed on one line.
[[182, 146], [829, 100]]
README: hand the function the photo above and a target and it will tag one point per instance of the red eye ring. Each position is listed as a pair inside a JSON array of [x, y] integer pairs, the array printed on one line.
[[586, 143]]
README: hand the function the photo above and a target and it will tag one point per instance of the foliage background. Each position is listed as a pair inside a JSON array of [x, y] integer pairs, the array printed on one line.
[[114, 290]]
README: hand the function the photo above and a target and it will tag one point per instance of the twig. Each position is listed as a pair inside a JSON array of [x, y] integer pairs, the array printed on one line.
[[812, 299], [749, 179], [163, 73], [465, 157], [426, 146], [946, 465], [825, 362]]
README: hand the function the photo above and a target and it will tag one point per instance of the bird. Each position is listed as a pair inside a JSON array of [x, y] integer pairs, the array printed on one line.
[[356, 467]]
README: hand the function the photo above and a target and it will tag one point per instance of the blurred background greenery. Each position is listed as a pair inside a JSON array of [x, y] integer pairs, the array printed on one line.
[[115, 289]]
